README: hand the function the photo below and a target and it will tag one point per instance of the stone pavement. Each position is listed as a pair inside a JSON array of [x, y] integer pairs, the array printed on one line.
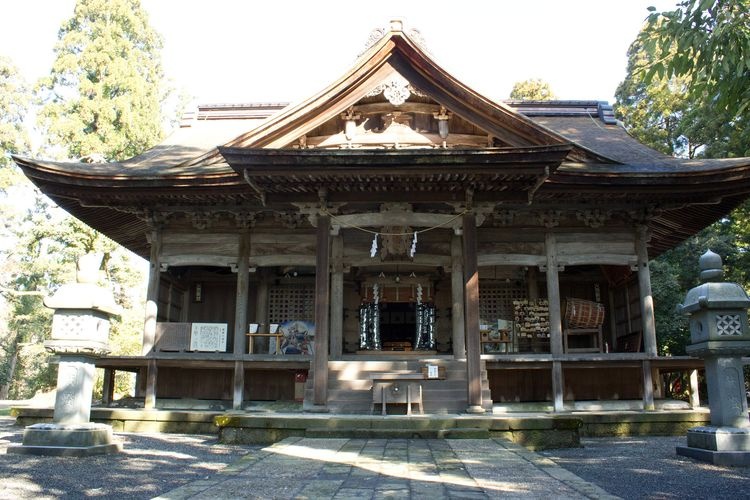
[[391, 468]]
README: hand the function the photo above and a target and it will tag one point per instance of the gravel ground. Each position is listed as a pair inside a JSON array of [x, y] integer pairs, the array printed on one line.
[[639, 467], [153, 464], [150, 464]]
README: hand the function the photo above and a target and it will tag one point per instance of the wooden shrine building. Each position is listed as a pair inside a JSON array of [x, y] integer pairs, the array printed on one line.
[[394, 222]]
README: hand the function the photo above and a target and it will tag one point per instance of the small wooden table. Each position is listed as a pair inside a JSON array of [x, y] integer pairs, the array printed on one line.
[[252, 336], [397, 388]]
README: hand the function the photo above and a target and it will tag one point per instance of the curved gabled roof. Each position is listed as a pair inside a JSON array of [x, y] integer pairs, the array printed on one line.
[[396, 53], [225, 156]]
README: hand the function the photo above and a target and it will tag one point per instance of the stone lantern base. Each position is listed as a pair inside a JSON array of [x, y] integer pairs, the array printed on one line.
[[69, 440], [718, 445]]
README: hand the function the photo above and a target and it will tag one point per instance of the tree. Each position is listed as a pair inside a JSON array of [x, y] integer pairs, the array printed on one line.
[[708, 42], [103, 96], [660, 113], [532, 90], [105, 90], [14, 101], [667, 113]]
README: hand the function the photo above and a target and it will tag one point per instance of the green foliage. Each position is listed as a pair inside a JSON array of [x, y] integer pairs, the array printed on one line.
[[533, 89], [14, 101], [105, 91], [48, 244], [676, 271], [708, 42], [653, 112], [673, 112], [665, 115], [104, 96]]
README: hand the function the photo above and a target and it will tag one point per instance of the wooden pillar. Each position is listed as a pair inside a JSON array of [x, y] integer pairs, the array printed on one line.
[[644, 285], [238, 389], [558, 386], [240, 320], [261, 304], [471, 314], [532, 283], [555, 320], [553, 296], [149, 325], [659, 387], [612, 320], [149, 402], [152, 293], [322, 308], [108, 386], [337, 297], [648, 386], [243, 292], [457, 298], [695, 400]]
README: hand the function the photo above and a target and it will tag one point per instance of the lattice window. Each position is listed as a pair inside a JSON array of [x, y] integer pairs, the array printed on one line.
[[291, 302], [728, 324], [496, 301]]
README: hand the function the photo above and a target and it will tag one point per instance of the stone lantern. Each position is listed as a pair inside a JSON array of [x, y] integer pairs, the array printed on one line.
[[80, 334], [719, 334]]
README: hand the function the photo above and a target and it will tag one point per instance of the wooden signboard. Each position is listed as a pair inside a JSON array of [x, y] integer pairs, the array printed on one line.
[[209, 337]]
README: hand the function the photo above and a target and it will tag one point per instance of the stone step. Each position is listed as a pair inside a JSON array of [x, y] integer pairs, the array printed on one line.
[[399, 433], [350, 385]]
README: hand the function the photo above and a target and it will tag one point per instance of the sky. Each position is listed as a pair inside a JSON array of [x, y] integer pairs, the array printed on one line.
[[231, 51]]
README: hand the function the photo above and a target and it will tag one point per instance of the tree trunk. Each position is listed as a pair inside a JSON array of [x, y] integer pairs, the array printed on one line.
[[5, 388]]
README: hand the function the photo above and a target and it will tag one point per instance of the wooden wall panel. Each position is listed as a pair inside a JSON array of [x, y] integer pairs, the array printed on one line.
[[581, 384], [520, 386], [194, 383], [217, 306], [586, 384], [269, 385]]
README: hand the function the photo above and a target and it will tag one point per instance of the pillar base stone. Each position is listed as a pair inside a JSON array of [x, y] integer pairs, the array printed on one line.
[[718, 445], [475, 410], [313, 408], [69, 440]]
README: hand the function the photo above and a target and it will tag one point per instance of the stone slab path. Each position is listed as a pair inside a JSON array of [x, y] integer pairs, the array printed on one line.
[[318, 468]]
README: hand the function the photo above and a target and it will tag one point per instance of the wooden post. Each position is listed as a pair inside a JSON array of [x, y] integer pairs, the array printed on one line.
[[648, 386], [337, 297], [152, 293], [261, 303], [149, 402], [322, 308], [471, 318], [659, 388], [553, 296], [108, 386], [149, 326], [695, 400], [558, 386], [238, 392], [644, 286], [555, 320], [612, 320], [532, 283], [240, 320], [457, 298], [243, 292]]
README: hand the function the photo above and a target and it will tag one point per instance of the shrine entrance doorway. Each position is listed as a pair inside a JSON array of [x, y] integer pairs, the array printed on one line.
[[398, 325], [397, 317]]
